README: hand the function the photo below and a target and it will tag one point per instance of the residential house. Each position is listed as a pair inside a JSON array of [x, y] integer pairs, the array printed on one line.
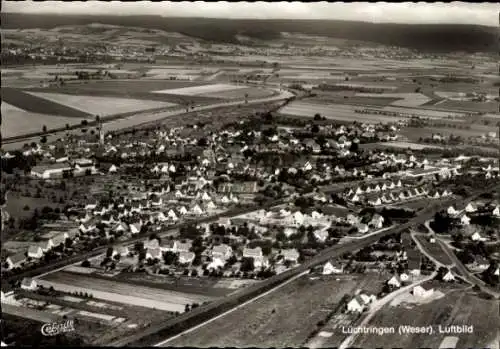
[[449, 277], [222, 252], [186, 257], [135, 228], [470, 208], [321, 235], [35, 252], [356, 305], [419, 291], [464, 220], [153, 243], [291, 255], [332, 268], [181, 246], [377, 221], [153, 253], [29, 284], [47, 245], [394, 281], [16, 260]]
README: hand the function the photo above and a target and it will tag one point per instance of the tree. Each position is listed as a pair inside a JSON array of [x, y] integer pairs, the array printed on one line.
[[84, 123], [317, 116], [85, 264], [44, 129], [109, 252], [247, 264], [43, 140], [187, 308]]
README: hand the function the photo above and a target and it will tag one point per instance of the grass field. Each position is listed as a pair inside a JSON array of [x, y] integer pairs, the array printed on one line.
[[121, 292], [404, 99], [485, 107], [414, 133], [284, 318], [434, 249], [101, 105], [456, 308], [38, 105]]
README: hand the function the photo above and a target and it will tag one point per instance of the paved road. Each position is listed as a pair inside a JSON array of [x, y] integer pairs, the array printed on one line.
[[150, 335]]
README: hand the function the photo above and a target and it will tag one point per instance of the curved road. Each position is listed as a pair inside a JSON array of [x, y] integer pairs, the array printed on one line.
[[156, 333]]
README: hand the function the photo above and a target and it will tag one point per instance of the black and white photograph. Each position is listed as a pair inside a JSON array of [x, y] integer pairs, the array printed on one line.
[[250, 174]]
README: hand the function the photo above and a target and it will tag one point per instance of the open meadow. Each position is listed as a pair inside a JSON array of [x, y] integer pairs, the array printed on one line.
[[282, 318]]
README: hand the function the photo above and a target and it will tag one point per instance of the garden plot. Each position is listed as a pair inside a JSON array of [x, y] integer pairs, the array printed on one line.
[[102, 105], [200, 90], [147, 297]]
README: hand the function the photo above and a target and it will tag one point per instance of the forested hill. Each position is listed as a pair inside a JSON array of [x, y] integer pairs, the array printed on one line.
[[435, 37]]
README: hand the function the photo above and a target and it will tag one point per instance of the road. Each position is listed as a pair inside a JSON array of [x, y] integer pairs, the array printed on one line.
[[162, 343], [378, 304], [142, 118], [174, 326], [464, 272]]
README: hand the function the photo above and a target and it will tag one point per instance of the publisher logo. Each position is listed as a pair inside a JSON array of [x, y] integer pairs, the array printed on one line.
[[55, 328]]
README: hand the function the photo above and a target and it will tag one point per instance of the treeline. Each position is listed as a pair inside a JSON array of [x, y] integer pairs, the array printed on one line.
[[428, 37]]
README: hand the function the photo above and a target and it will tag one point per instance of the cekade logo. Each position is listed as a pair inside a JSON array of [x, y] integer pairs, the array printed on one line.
[[55, 328]]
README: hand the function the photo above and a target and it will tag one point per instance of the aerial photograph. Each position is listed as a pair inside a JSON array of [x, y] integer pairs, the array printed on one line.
[[250, 175]]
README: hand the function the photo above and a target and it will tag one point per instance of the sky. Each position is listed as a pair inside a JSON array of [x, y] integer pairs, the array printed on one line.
[[412, 13]]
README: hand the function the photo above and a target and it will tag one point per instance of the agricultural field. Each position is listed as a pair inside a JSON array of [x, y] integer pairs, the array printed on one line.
[[250, 92], [335, 112], [404, 99], [103, 106], [471, 106], [140, 89], [414, 133], [16, 121], [455, 308], [201, 90], [282, 318], [122, 292], [34, 104]]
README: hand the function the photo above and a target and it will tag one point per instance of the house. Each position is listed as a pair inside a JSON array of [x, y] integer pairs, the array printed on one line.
[[122, 251], [46, 245], [496, 211], [253, 252], [181, 246], [153, 253], [35, 252], [451, 211], [196, 210], [222, 252], [377, 221], [50, 170], [29, 284], [135, 228], [321, 235], [477, 237], [449, 277], [394, 282], [153, 243], [356, 305], [16, 260], [404, 277], [419, 291], [464, 220], [186, 257], [470, 208], [291, 255], [216, 263], [332, 268], [362, 228]]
